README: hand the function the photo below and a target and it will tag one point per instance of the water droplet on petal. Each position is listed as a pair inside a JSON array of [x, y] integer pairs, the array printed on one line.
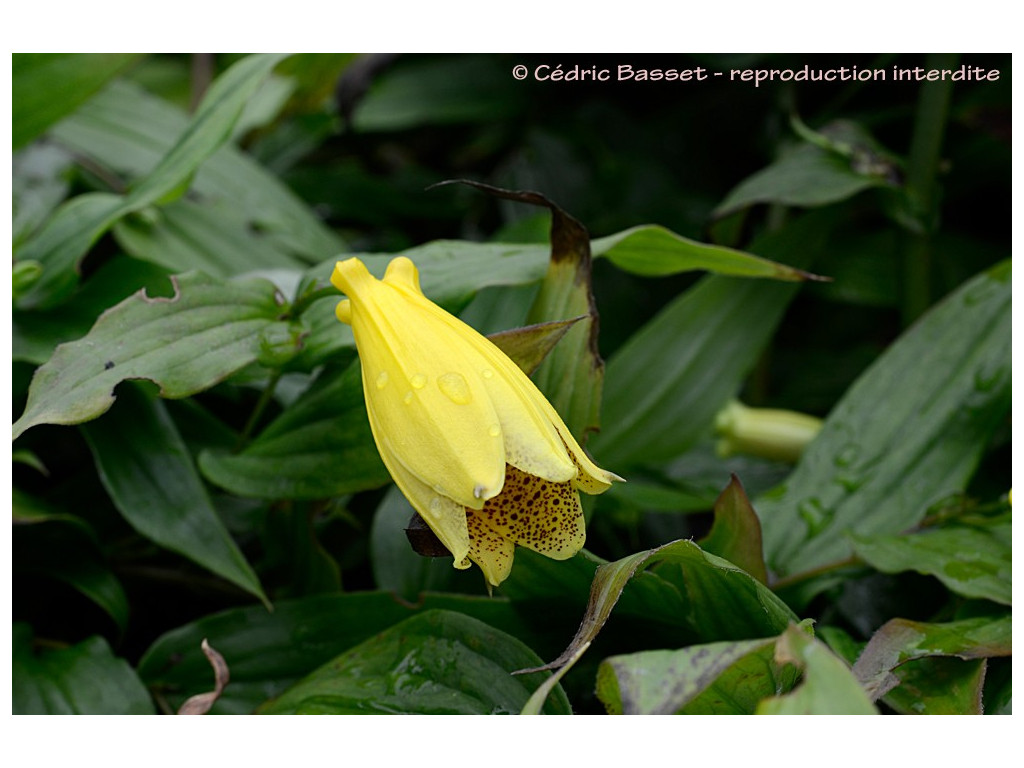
[[408, 398], [418, 381], [454, 386], [382, 379], [494, 430], [487, 373]]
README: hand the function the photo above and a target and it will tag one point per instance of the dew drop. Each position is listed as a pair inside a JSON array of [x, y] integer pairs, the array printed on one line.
[[847, 455], [408, 398], [494, 430], [418, 381], [382, 379], [455, 388], [988, 377], [487, 373], [849, 482], [815, 515]]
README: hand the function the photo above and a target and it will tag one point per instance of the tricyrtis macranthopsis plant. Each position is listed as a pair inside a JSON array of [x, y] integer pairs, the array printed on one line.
[[475, 447]]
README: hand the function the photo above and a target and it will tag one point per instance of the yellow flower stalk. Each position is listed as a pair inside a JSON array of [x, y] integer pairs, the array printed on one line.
[[472, 443]]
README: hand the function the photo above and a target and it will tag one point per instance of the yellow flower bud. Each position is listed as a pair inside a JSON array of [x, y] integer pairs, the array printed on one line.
[[472, 443]]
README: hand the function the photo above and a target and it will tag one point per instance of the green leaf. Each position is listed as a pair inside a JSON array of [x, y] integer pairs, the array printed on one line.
[[828, 687], [47, 543], [939, 686], [705, 596], [438, 662], [148, 472], [200, 336], [128, 131], [906, 435], [528, 346], [665, 385], [212, 237], [810, 176], [47, 86], [85, 679], [293, 556], [665, 682], [572, 377], [900, 640], [39, 182], [320, 446], [741, 687], [37, 333], [78, 224], [735, 534], [266, 654], [972, 561], [439, 92], [654, 251]]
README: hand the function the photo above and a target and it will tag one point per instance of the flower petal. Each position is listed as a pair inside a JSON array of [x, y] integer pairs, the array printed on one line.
[[590, 478], [445, 517], [421, 383], [534, 513], [489, 549]]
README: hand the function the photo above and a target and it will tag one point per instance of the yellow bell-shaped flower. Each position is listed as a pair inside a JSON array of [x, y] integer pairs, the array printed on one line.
[[475, 447]]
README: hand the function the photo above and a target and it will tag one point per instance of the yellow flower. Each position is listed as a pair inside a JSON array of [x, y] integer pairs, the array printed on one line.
[[472, 443]]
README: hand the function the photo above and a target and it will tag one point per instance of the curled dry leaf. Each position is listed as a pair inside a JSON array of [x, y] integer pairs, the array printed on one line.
[[200, 703]]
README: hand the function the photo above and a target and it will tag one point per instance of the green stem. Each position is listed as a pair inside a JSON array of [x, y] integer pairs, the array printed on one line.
[[797, 578], [303, 303], [922, 186], [261, 405]]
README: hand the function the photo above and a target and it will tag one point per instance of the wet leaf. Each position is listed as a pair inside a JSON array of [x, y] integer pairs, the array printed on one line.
[[973, 561], [438, 662], [266, 654], [907, 435]]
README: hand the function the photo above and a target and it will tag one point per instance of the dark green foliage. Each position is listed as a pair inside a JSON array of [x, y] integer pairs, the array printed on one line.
[[192, 447]]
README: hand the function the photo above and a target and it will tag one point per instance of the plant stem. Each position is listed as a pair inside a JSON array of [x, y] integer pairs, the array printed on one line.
[[922, 186], [796, 578], [261, 405], [302, 304]]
